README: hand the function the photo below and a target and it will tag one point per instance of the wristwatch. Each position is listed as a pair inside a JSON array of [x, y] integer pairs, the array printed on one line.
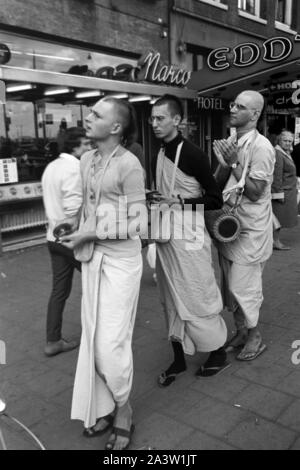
[[234, 165]]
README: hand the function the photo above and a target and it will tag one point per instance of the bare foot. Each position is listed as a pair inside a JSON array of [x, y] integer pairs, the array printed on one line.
[[123, 421], [253, 347], [237, 341]]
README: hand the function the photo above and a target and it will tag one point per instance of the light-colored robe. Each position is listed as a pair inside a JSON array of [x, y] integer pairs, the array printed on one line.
[[188, 289]]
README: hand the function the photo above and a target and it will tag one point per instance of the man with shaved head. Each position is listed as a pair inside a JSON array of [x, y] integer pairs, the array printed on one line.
[[243, 260]]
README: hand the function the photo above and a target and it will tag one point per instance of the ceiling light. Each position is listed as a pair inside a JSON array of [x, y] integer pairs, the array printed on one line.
[[88, 94], [56, 91], [135, 99], [21, 87], [119, 96], [153, 100]]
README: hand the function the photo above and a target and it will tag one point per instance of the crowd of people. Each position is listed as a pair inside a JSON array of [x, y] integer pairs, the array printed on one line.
[[98, 199]]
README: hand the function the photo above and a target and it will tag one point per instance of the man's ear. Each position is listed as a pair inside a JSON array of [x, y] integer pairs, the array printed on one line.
[[116, 128], [177, 119]]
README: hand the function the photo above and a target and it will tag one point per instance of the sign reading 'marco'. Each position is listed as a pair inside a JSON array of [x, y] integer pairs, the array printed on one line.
[[151, 69]]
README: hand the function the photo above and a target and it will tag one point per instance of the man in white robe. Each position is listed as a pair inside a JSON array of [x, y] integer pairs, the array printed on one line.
[[243, 260], [113, 182]]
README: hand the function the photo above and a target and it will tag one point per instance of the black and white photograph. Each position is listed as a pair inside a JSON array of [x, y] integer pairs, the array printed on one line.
[[149, 228]]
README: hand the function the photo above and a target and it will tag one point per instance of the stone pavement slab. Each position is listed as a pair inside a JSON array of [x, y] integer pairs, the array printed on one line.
[[250, 406]]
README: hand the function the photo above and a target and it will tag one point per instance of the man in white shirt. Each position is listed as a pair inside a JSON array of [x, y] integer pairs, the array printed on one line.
[[243, 260], [62, 194]]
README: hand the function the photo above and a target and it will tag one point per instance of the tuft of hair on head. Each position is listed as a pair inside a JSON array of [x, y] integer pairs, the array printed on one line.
[[72, 139], [126, 116], [174, 104], [286, 131]]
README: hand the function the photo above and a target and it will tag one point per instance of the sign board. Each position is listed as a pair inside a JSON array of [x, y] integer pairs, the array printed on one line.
[[8, 171], [212, 104], [20, 192], [297, 131]]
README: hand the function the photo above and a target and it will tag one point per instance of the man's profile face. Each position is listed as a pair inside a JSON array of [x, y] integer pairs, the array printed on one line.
[[101, 121], [241, 111], [164, 125]]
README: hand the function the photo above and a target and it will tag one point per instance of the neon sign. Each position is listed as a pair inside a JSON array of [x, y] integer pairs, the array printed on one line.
[[152, 70], [273, 50]]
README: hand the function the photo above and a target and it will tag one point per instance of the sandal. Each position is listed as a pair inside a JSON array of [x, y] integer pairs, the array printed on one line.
[[209, 371], [123, 433], [92, 432], [251, 355], [164, 380]]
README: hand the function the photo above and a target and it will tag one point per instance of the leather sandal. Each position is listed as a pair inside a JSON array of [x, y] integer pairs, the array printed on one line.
[[123, 433], [92, 432]]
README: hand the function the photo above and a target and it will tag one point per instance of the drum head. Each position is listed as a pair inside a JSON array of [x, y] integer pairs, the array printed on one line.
[[227, 228]]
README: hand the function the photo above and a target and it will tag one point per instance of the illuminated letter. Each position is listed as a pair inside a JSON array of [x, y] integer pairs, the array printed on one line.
[[239, 54], [216, 58], [269, 46]]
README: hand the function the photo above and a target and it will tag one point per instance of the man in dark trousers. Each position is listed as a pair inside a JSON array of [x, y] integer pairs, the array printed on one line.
[[62, 194], [188, 290]]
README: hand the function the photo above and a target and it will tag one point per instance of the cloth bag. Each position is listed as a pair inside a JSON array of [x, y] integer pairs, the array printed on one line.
[[156, 217]]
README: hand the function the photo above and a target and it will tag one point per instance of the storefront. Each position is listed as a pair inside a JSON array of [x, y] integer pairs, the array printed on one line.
[[50, 87]]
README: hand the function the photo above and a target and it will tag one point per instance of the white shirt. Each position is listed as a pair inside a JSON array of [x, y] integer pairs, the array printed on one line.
[[62, 190]]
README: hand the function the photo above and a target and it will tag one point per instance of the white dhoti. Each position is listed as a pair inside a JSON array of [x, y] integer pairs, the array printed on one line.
[[110, 290], [242, 290], [190, 296]]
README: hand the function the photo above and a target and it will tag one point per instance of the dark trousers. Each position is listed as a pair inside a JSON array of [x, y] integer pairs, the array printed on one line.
[[63, 264]]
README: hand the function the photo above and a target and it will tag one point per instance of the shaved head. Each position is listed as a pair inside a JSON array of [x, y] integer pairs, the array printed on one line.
[[245, 111], [254, 99]]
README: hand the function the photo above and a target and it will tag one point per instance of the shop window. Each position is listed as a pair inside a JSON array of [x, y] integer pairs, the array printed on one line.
[[284, 12], [33, 133], [42, 55], [217, 3]]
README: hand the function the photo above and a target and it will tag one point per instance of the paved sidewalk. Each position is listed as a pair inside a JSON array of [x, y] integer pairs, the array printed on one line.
[[252, 405]]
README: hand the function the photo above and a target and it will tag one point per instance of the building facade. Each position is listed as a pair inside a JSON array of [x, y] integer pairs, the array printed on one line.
[[58, 58], [227, 43]]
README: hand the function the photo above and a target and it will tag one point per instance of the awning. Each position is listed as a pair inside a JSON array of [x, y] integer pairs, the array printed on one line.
[[259, 81], [259, 76], [15, 74]]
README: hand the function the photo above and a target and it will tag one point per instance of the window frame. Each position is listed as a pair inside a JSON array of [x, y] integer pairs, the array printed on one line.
[[215, 3], [285, 25], [250, 16]]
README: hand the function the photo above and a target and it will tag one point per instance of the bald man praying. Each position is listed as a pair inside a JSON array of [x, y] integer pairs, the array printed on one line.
[[243, 260]]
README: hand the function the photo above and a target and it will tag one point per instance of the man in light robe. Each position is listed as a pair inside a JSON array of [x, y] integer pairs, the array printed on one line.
[[109, 247], [189, 293], [243, 260]]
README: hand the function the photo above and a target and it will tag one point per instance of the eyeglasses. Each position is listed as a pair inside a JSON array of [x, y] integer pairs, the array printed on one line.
[[159, 119], [239, 107]]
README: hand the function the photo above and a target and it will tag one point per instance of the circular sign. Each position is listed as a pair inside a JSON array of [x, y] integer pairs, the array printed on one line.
[[13, 191], [4, 54]]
